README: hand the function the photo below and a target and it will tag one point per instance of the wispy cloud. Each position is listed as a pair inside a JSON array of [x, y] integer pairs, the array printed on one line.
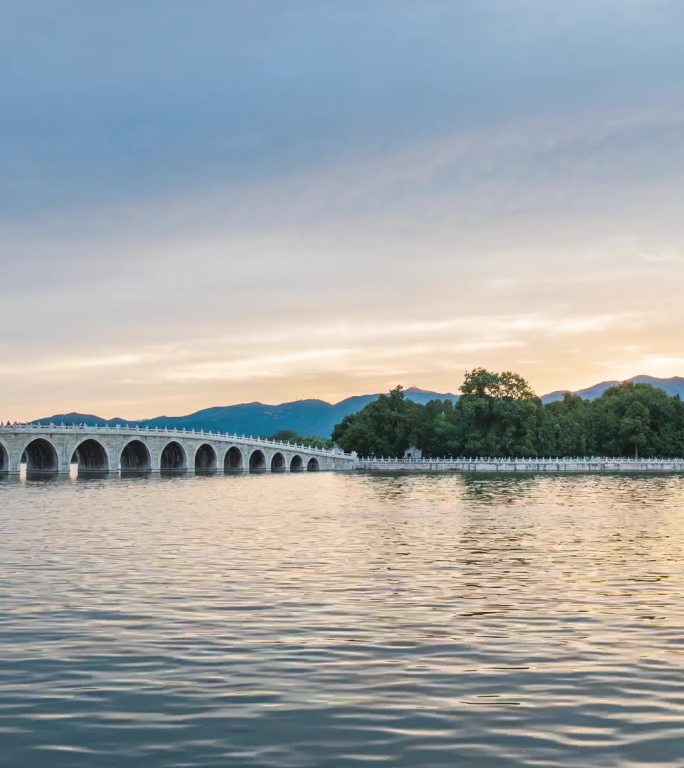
[[387, 194]]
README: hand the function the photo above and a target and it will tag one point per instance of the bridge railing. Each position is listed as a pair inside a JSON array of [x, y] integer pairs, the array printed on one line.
[[519, 460], [159, 431]]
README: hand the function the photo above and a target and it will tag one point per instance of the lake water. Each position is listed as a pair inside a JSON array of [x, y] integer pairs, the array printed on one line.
[[342, 620]]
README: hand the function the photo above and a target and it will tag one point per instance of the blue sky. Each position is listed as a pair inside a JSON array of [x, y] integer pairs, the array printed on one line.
[[211, 202]]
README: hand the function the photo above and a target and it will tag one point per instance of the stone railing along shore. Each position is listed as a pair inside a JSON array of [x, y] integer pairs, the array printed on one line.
[[491, 464]]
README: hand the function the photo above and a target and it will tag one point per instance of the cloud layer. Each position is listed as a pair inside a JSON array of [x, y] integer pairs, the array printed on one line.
[[210, 203]]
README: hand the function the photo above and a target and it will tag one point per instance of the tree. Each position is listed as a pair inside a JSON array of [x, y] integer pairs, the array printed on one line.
[[638, 419], [483, 383], [285, 435], [512, 386], [440, 434], [290, 436], [498, 414], [480, 383], [385, 427], [567, 428]]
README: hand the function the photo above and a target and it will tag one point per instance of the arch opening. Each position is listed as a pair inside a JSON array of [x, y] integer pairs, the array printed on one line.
[[312, 466], [297, 464], [257, 461], [205, 459], [233, 460], [278, 463], [4, 459], [91, 456], [173, 458], [40, 456], [135, 457]]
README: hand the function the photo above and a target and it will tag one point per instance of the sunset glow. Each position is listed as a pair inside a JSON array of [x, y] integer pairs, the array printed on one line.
[[276, 226]]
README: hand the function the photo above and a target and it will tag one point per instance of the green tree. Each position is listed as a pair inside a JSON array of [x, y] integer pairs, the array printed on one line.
[[285, 435], [483, 383], [638, 419], [567, 428], [480, 383], [385, 427], [497, 414], [440, 433], [290, 436]]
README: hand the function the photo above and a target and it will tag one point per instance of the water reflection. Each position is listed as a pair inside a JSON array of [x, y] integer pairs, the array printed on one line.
[[314, 619]]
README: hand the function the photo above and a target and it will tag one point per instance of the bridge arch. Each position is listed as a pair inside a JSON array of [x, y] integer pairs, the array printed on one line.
[[91, 456], [40, 455], [297, 463], [233, 461], [173, 458], [4, 459], [135, 457], [278, 463], [205, 458], [257, 461], [312, 465]]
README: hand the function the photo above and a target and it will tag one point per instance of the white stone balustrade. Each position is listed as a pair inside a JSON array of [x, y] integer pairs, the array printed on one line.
[[494, 464]]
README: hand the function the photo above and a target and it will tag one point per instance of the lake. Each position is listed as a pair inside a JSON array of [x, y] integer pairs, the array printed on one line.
[[342, 620]]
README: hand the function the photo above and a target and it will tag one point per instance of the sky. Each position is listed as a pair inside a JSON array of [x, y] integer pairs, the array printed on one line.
[[211, 202]]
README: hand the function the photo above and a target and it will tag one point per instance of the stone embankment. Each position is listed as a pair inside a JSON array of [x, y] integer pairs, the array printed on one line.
[[576, 465]]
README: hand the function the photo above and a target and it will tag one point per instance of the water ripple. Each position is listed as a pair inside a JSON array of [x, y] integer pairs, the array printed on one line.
[[335, 620]]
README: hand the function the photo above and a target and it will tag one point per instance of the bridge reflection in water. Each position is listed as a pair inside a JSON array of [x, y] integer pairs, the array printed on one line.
[[52, 449]]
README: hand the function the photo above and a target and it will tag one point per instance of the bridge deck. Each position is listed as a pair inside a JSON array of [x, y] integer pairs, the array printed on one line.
[[54, 447]]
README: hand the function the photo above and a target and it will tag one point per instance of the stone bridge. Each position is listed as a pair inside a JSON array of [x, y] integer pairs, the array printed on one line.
[[52, 449]]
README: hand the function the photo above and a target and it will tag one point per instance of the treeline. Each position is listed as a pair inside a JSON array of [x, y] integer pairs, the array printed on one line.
[[498, 414], [290, 436]]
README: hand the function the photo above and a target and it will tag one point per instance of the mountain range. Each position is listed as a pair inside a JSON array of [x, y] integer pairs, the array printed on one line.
[[306, 417], [673, 386], [315, 417]]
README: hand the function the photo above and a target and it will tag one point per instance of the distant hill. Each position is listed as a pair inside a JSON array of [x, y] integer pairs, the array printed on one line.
[[306, 417], [673, 386], [316, 417]]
